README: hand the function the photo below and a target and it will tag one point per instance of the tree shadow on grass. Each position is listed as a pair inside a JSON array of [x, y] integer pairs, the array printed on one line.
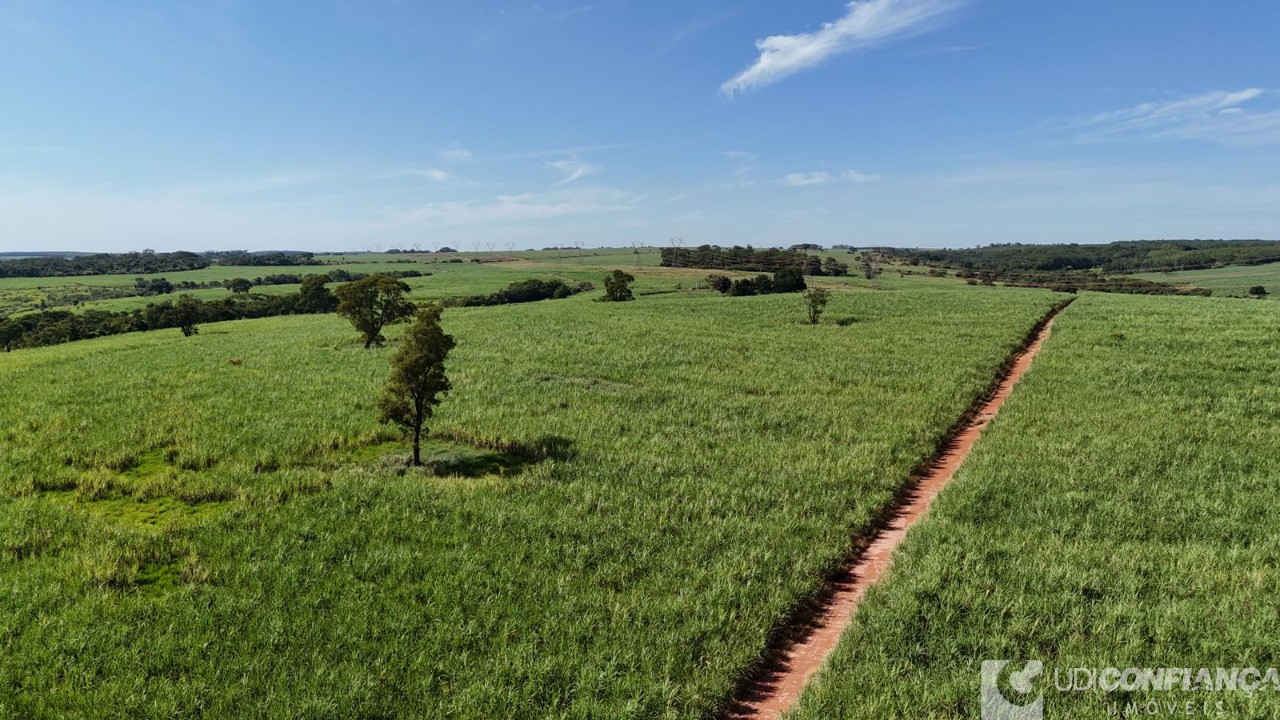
[[452, 457]]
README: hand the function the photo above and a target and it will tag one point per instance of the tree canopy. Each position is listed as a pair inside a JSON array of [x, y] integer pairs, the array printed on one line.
[[617, 286], [417, 376], [372, 304]]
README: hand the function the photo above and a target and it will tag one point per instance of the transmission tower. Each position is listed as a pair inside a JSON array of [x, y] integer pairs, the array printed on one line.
[[676, 243]]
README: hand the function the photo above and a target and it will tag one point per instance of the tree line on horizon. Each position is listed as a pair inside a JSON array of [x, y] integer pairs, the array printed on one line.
[[187, 313], [749, 259], [146, 262], [1130, 256]]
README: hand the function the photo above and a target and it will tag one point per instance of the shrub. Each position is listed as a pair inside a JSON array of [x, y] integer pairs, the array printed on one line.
[[815, 300], [617, 286], [788, 280]]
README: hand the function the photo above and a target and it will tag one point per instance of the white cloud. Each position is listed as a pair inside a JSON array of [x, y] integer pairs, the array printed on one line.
[[572, 168], [868, 22], [1215, 116], [739, 155], [822, 178]]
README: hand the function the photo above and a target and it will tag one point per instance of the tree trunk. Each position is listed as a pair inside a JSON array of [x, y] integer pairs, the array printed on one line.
[[417, 445]]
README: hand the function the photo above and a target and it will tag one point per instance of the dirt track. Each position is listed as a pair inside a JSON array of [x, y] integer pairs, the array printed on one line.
[[774, 692]]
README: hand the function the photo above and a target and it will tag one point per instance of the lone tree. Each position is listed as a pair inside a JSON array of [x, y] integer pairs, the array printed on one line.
[[417, 376], [617, 286], [374, 303], [788, 279], [240, 286], [185, 314], [815, 300], [1258, 291]]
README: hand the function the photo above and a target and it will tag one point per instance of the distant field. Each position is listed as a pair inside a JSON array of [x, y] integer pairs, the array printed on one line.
[[1232, 280], [1120, 512], [206, 525], [448, 279]]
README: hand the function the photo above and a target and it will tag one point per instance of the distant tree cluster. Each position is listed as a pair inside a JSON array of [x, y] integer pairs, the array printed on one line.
[[386, 306], [137, 263], [742, 259], [156, 286], [522, 292], [241, 258], [826, 266], [748, 259], [240, 286], [335, 275], [785, 280], [54, 327], [1073, 281]]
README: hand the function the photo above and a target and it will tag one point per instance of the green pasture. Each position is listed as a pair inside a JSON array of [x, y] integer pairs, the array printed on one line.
[[1231, 280], [628, 499]]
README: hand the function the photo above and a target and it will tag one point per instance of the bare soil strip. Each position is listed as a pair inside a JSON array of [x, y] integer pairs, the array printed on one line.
[[772, 692]]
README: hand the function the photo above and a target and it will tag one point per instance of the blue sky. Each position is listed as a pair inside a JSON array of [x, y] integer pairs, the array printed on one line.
[[345, 125]]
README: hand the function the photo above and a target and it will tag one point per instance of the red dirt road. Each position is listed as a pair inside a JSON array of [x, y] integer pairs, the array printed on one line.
[[774, 693]]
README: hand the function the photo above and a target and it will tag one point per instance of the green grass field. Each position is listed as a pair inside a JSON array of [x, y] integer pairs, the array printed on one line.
[[1232, 280], [209, 525], [1120, 512], [20, 295]]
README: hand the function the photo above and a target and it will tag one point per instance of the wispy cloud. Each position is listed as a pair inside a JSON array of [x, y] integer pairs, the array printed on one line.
[[572, 168], [949, 50], [455, 153], [743, 162], [566, 13], [258, 185], [689, 30], [822, 177], [426, 173], [519, 208], [1215, 116], [867, 23]]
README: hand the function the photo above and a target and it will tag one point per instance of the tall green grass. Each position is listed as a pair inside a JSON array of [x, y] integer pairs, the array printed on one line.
[[1120, 512], [716, 457]]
